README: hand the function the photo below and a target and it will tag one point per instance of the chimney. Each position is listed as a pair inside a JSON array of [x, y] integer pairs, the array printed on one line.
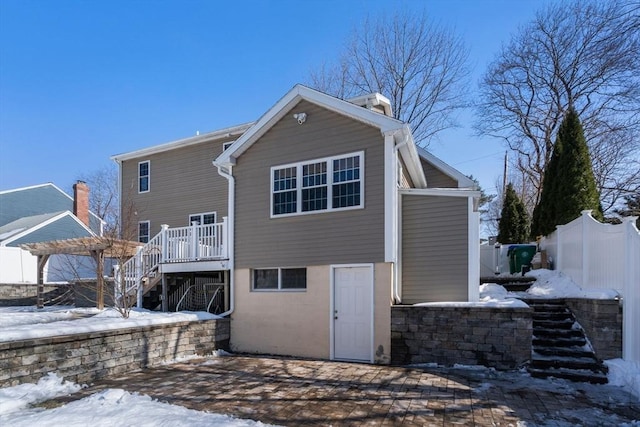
[[374, 102], [81, 201]]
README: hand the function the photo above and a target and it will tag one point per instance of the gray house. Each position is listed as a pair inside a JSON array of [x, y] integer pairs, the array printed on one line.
[[42, 213], [314, 220]]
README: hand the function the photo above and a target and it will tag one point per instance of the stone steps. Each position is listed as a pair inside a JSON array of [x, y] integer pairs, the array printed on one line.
[[559, 347]]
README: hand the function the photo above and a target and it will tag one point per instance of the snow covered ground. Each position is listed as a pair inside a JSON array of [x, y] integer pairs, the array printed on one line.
[[17, 322], [118, 407], [107, 408]]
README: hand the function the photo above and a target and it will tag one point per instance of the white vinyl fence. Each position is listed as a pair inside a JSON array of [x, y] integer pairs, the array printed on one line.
[[603, 256], [17, 266]]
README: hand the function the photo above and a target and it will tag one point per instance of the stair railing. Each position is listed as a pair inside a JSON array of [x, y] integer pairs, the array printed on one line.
[[182, 244], [144, 264]]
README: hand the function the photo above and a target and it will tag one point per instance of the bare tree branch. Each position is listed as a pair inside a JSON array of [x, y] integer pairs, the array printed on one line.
[[420, 66], [585, 54]]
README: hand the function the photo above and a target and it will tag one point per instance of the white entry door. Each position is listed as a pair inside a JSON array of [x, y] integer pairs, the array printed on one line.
[[353, 308]]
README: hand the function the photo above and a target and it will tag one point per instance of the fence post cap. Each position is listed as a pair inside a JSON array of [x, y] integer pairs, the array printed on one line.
[[587, 212]]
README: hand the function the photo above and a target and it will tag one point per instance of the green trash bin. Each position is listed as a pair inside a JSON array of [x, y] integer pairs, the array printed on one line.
[[520, 256]]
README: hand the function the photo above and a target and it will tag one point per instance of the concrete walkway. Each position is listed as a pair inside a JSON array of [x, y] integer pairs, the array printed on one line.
[[294, 392]]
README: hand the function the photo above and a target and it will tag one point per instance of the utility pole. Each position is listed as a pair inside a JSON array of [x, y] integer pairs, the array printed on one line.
[[504, 173]]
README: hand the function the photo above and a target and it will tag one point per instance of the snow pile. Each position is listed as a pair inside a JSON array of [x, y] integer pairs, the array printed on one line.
[[555, 284], [624, 374], [13, 399], [107, 408], [106, 320], [14, 316], [491, 295]]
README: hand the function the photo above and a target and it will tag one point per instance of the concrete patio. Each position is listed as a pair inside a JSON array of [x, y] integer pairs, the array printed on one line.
[[295, 392]]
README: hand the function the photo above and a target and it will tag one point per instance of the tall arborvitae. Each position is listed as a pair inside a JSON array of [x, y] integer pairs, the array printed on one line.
[[569, 186], [514, 220], [544, 214]]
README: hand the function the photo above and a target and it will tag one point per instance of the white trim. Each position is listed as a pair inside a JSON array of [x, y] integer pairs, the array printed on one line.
[[288, 101], [31, 187], [226, 145], [193, 266], [148, 175], [298, 189], [201, 215], [447, 192], [407, 149], [390, 199], [45, 223], [473, 231], [332, 306], [462, 180], [397, 288], [185, 142]]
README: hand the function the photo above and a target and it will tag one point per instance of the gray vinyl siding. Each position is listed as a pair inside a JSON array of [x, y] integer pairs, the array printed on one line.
[[64, 228], [182, 181], [434, 249], [435, 177], [405, 179], [314, 239]]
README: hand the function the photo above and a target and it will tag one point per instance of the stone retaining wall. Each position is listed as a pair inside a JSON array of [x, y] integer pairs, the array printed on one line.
[[22, 290], [489, 336], [602, 322], [86, 357]]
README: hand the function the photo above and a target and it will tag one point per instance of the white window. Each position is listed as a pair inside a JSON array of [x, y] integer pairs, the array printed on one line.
[[279, 279], [332, 183], [203, 218], [227, 145], [143, 231], [144, 169]]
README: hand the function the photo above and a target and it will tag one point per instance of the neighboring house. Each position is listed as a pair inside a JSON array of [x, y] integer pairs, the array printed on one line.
[[315, 219], [43, 213]]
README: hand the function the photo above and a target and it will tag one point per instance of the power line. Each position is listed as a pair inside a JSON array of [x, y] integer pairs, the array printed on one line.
[[477, 158]]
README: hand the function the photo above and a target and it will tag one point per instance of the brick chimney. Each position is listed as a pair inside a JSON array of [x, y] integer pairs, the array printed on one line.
[[81, 201]]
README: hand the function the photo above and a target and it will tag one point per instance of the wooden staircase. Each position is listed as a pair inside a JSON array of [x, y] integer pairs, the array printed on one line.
[[560, 348]]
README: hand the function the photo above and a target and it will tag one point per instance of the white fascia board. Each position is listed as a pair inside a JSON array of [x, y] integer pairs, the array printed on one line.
[[407, 148], [291, 98], [13, 190], [45, 223], [185, 142], [463, 180], [446, 192]]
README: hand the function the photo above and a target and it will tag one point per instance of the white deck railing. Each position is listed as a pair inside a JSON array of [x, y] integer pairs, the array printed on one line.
[[193, 243]]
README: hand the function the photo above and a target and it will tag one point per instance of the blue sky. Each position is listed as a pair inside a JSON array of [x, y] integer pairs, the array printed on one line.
[[81, 81]]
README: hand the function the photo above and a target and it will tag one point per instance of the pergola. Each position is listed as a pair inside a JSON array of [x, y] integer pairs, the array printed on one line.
[[96, 247]]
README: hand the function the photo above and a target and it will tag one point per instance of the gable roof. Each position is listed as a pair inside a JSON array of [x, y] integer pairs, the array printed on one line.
[[36, 200], [185, 142], [463, 180], [387, 125], [22, 227]]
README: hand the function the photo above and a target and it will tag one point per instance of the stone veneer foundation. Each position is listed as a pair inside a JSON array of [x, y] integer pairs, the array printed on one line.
[[447, 335]]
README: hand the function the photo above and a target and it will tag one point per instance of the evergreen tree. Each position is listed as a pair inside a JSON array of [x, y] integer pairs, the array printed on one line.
[[569, 186], [514, 220]]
